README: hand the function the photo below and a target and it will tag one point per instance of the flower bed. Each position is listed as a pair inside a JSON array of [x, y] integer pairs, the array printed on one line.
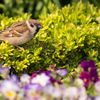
[[51, 84]]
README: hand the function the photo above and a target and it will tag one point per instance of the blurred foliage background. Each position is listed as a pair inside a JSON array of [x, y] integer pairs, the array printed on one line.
[[35, 7]]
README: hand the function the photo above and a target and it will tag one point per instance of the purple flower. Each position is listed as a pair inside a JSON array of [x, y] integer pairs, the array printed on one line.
[[60, 83], [9, 89], [33, 91], [38, 71], [48, 72], [85, 76], [90, 98], [14, 78], [0, 68], [87, 65], [94, 75], [35, 87], [34, 75], [62, 72], [52, 80], [52, 67], [89, 73]]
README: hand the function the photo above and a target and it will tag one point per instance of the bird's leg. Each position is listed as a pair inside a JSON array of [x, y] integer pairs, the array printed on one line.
[[20, 49]]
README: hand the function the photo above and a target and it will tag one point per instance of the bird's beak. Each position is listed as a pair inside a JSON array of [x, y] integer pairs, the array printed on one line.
[[40, 26]]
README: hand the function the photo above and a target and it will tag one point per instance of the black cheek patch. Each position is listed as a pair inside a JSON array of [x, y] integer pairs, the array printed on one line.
[[31, 25], [37, 30], [35, 33]]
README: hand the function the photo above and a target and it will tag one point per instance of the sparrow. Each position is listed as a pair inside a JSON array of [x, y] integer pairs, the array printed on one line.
[[20, 32]]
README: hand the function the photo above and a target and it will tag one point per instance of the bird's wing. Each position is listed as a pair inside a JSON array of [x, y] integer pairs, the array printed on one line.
[[15, 30]]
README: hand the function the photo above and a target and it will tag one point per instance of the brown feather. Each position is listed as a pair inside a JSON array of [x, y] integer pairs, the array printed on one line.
[[15, 30], [19, 26]]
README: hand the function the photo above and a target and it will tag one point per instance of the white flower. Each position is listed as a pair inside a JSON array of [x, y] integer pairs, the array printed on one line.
[[55, 92], [62, 72], [79, 82], [97, 87], [82, 93], [25, 78], [97, 98], [9, 89], [71, 93], [42, 79], [32, 90]]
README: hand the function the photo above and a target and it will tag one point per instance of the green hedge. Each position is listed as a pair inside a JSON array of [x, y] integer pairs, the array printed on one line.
[[69, 36]]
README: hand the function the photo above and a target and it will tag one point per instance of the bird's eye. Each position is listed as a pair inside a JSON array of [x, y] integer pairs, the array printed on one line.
[[31, 25]]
